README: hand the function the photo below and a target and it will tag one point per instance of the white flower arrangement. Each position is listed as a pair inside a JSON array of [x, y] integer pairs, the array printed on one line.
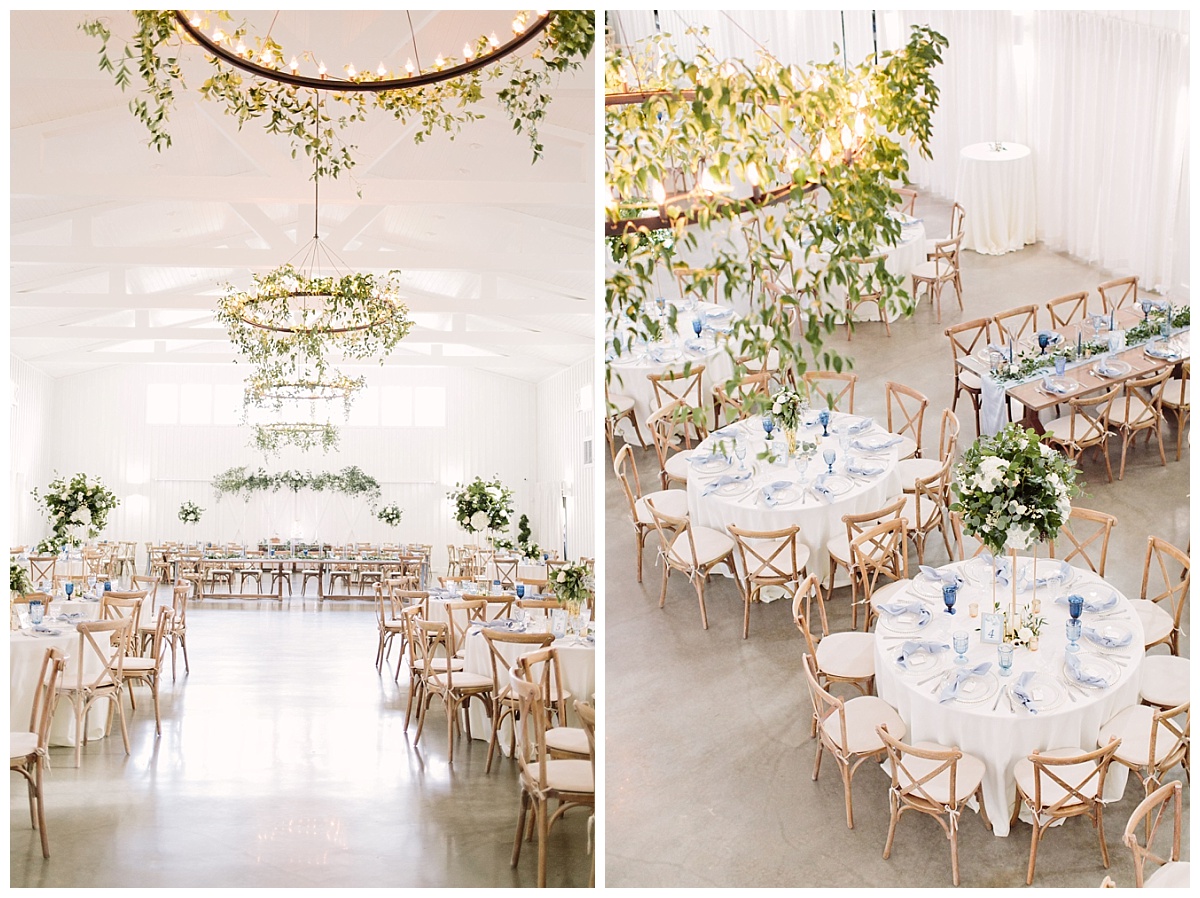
[[390, 514], [189, 513], [1013, 491], [78, 508], [573, 582], [787, 407], [482, 505]]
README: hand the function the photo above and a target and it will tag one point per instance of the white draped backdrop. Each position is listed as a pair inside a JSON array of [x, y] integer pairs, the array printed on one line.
[[1100, 97]]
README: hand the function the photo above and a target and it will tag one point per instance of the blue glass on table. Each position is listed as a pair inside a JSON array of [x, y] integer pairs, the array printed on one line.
[[35, 612], [697, 326], [961, 640], [1075, 604], [823, 420], [661, 304], [1074, 629], [1043, 341], [1164, 329], [69, 587], [1147, 305], [1004, 657], [950, 596], [545, 556], [520, 590], [108, 586], [830, 456], [768, 425], [1060, 366]]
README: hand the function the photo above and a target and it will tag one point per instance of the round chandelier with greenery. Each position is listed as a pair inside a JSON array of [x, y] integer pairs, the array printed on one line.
[[254, 78], [271, 438]]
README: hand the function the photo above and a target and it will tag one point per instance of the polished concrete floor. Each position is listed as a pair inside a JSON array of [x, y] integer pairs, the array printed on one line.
[[709, 760], [283, 762]]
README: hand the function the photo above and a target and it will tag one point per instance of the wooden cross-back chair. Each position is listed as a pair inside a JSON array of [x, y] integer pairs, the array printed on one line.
[[941, 268], [674, 502], [905, 416], [768, 558], [908, 200], [730, 404], [705, 283], [1117, 294], [1161, 612], [1162, 806], [1085, 427], [29, 752], [504, 701], [965, 340], [103, 641], [856, 525], [1085, 536], [687, 388], [832, 389], [840, 657], [866, 290], [1017, 324], [1140, 410], [668, 428], [879, 559], [1067, 310]]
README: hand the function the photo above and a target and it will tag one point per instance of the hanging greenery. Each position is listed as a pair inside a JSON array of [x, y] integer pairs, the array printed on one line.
[[351, 481], [829, 136], [153, 55], [270, 438], [78, 508]]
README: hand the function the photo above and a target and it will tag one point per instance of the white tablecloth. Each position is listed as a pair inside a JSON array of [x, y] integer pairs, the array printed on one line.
[[999, 737], [901, 259], [996, 189], [818, 520], [631, 369], [25, 663], [577, 663]]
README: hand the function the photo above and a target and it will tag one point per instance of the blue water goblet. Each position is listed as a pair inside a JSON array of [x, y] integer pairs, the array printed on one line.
[[1147, 305], [950, 596], [1004, 657], [823, 420], [69, 587], [1074, 629], [1075, 605], [830, 456], [108, 586], [1060, 366], [768, 425], [1164, 329], [697, 326], [1043, 341], [520, 590], [36, 612], [961, 640]]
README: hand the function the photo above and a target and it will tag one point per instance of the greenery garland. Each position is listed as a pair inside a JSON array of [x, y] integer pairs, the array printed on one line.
[[351, 481], [152, 53], [80, 505], [831, 132]]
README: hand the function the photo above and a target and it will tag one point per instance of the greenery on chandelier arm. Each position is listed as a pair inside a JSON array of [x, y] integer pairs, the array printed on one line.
[[75, 507], [270, 438], [830, 132], [190, 512], [153, 54], [351, 481]]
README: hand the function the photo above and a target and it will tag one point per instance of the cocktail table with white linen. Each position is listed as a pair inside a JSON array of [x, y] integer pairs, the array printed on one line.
[[759, 494], [1052, 698]]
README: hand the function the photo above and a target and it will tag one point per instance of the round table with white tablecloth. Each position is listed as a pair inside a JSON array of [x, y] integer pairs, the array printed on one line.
[[980, 719], [633, 366], [995, 187], [27, 650], [771, 496]]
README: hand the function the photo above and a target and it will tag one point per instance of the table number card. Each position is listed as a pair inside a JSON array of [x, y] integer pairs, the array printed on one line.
[[991, 628]]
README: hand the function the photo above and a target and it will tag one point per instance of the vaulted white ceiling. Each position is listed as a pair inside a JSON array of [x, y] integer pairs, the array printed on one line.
[[119, 252]]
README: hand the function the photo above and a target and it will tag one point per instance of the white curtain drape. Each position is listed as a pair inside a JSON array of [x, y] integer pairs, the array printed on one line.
[[1100, 97]]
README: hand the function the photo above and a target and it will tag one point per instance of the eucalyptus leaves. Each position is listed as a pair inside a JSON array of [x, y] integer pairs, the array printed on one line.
[[153, 52], [350, 481]]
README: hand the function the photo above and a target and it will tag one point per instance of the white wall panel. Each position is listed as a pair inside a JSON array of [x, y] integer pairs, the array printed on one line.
[[566, 423], [32, 401]]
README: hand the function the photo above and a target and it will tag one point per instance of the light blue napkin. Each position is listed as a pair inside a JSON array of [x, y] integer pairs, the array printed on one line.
[[1001, 568], [1055, 338], [502, 623], [876, 442], [1021, 691], [863, 468], [918, 645], [1109, 642], [861, 427], [1102, 605], [697, 459], [896, 608], [695, 345], [1050, 387], [1055, 572], [46, 631], [729, 431], [70, 616], [726, 480], [950, 692], [820, 490], [946, 578], [1104, 371], [768, 491], [719, 314], [659, 353], [1079, 675]]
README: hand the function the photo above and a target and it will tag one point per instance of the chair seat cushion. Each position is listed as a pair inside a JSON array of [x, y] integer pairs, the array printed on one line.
[[1166, 680], [572, 739], [1136, 415], [668, 502], [967, 778], [1177, 393], [1085, 430], [906, 448], [1071, 773], [570, 775], [848, 655], [138, 665], [889, 593], [1171, 875], [912, 469], [21, 744], [710, 545], [678, 465], [839, 549], [970, 379], [1157, 624], [462, 680], [1132, 726], [863, 714], [623, 404], [933, 270]]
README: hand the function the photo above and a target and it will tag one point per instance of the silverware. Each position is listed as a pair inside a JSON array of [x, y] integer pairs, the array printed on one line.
[[1070, 687], [1011, 707], [999, 694], [939, 686], [931, 679]]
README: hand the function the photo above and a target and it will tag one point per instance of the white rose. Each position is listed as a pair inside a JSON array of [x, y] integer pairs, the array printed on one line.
[[777, 408], [562, 577], [479, 520], [1025, 634]]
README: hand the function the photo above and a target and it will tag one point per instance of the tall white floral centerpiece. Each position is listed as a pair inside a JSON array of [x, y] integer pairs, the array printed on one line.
[[482, 505], [1013, 492], [77, 508], [787, 408]]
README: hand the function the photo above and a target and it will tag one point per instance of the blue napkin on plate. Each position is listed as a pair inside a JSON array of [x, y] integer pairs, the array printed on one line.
[[768, 491], [718, 313], [1109, 642], [876, 442], [894, 608], [1055, 572], [695, 345], [918, 645], [1102, 605], [46, 631], [820, 490], [1055, 338], [861, 426], [1051, 387], [729, 431], [1001, 568], [707, 458], [946, 578], [1021, 691], [501, 623], [70, 616], [659, 353], [863, 468], [951, 690], [725, 480], [1104, 371], [1079, 675]]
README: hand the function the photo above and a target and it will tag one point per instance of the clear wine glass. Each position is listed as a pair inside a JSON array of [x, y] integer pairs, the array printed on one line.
[[830, 456], [739, 449]]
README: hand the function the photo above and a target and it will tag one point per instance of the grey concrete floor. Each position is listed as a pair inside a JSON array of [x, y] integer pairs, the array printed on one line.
[[283, 762], [709, 759]]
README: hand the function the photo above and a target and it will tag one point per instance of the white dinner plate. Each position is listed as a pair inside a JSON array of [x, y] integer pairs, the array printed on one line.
[[908, 622], [847, 423], [786, 496], [710, 464], [1093, 593], [979, 571], [923, 586], [838, 485], [1045, 692], [1113, 630], [1158, 348], [1064, 383], [921, 661], [729, 490], [664, 355], [1113, 368], [1095, 665], [976, 688]]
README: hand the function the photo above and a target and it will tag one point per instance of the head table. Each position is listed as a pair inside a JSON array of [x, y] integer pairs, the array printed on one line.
[[985, 716], [760, 494]]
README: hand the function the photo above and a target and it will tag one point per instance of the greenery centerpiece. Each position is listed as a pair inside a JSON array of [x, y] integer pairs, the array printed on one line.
[[390, 514], [189, 513], [572, 584], [482, 505], [1013, 491], [78, 508], [18, 578], [787, 408]]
